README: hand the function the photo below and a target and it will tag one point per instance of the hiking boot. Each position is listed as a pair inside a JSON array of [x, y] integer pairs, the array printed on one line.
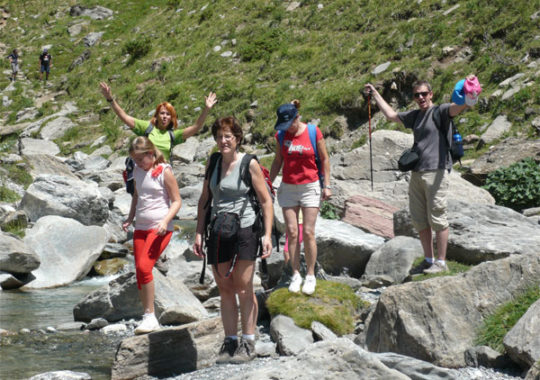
[[245, 352], [227, 350], [309, 285], [162, 264], [296, 281], [437, 267], [149, 323], [420, 268]]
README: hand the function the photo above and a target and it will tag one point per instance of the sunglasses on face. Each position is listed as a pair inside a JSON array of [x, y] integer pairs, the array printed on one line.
[[423, 93]]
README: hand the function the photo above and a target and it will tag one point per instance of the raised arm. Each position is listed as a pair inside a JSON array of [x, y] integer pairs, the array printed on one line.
[[385, 108], [209, 102], [126, 119]]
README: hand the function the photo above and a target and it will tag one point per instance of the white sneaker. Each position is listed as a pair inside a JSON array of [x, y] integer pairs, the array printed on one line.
[[309, 285], [296, 281], [149, 323]]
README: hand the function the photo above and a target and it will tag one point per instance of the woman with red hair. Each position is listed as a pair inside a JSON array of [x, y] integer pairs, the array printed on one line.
[[164, 132]]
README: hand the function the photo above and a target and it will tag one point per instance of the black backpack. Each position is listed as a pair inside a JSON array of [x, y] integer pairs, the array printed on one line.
[[130, 164], [454, 143], [245, 176]]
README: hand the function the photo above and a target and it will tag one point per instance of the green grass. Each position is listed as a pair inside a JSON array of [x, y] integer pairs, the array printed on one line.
[[453, 268], [497, 325], [16, 228], [321, 56], [334, 305], [7, 195]]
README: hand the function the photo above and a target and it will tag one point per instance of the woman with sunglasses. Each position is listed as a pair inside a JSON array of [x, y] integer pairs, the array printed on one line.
[[428, 186]]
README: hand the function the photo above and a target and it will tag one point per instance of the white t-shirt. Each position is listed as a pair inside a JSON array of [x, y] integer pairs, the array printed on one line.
[[153, 200]]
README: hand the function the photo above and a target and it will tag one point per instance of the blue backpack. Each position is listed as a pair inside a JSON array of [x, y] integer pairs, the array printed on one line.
[[312, 130]]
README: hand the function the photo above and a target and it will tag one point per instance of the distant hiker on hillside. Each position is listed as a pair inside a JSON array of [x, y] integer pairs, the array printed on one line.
[[233, 242], [155, 203], [428, 186], [14, 60], [301, 151], [164, 119], [45, 60]]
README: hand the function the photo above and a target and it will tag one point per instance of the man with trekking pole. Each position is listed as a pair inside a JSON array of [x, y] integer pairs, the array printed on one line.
[[428, 185]]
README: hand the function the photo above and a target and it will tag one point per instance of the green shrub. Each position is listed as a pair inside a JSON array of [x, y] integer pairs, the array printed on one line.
[[516, 186], [261, 44], [497, 325], [329, 211], [334, 305], [137, 48]]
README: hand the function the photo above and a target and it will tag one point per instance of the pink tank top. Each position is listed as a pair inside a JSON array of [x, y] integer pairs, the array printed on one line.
[[153, 200]]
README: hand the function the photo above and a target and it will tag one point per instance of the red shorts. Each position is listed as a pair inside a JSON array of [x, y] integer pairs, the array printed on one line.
[[147, 247]]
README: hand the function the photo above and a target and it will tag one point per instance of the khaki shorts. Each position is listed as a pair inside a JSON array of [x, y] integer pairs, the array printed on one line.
[[307, 195], [427, 199]]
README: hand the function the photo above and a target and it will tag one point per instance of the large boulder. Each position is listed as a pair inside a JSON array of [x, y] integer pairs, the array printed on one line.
[[56, 128], [416, 369], [67, 197], [436, 320], [290, 338], [481, 232], [329, 359], [496, 130], [46, 164], [29, 146], [340, 245], [169, 352], [371, 215], [186, 152], [67, 250], [15, 256], [390, 263], [523, 341], [174, 303]]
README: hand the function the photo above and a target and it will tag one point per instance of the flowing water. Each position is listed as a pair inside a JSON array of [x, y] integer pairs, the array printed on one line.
[[23, 355]]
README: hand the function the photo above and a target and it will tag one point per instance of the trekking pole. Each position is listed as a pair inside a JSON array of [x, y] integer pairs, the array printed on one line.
[[370, 150]]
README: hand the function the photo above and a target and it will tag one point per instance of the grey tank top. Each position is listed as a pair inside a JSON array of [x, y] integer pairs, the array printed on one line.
[[231, 195]]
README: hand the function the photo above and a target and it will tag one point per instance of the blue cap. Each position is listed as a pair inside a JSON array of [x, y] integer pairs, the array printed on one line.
[[286, 113]]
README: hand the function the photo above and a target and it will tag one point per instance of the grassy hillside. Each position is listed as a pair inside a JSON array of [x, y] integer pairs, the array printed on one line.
[[320, 52]]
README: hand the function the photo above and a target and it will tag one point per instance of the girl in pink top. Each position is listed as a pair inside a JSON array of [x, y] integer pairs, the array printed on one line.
[[154, 204]]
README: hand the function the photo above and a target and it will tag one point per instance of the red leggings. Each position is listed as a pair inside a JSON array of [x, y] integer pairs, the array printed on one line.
[[147, 247]]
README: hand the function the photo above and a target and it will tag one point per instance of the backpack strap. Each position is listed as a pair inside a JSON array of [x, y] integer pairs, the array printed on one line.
[[148, 129], [438, 123], [281, 137], [312, 130]]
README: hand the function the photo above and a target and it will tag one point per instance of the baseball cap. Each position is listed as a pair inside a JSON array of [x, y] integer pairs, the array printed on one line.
[[285, 116]]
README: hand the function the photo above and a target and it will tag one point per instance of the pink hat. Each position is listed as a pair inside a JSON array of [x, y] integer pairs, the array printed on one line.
[[472, 87]]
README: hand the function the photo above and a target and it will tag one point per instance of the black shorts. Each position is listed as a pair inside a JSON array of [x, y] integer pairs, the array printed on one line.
[[246, 246]]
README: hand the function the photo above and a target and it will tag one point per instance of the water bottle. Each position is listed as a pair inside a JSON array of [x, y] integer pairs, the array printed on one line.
[[457, 138], [457, 147]]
